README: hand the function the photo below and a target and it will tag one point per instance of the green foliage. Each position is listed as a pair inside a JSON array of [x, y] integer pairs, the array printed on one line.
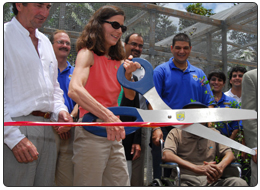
[[72, 58], [8, 13], [163, 22], [234, 104], [195, 8], [244, 160], [191, 100], [217, 159]]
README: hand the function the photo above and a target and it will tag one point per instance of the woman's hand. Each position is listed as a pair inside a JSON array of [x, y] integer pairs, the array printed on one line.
[[115, 132], [130, 67]]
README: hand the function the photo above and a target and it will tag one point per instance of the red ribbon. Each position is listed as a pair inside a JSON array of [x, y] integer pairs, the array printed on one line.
[[75, 124]]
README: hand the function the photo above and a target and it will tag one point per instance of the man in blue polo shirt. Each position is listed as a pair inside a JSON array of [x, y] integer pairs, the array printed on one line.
[[217, 81], [230, 129], [61, 44], [64, 169], [178, 83]]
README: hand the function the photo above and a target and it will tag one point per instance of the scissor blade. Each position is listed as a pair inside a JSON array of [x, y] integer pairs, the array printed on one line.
[[202, 115], [155, 100], [207, 133], [147, 89]]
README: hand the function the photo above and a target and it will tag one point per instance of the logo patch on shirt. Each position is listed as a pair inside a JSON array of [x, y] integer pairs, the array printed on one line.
[[227, 103], [70, 76], [180, 116], [195, 77]]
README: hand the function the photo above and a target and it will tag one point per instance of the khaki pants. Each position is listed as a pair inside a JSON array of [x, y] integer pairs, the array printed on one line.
[[64, 166], [189, 180], [98, 161], [40, 172]]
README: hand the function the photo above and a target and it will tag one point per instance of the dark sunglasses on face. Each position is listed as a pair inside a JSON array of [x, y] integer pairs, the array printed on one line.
[[116, 25]]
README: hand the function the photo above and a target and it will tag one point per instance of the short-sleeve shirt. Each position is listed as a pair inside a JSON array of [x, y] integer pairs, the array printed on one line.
[[193, 148], [177, 88], [64, 78], [230, 94], [226, 128]]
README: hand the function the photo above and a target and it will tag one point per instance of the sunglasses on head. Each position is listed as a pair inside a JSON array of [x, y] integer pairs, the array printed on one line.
[[116, 25]]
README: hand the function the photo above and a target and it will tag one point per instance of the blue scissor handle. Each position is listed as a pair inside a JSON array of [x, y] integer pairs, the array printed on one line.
[[142, 86], [121, 111]]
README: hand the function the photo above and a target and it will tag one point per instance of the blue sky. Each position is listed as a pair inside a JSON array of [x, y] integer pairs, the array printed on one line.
[[216, 7]]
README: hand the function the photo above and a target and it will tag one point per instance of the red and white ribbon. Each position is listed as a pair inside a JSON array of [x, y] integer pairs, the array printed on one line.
[[105, 124]]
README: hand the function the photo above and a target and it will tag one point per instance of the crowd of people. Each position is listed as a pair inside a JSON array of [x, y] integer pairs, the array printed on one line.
[[41, 85]]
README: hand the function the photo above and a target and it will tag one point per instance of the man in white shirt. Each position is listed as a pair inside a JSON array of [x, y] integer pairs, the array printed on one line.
[[235, 81], [31, 93]]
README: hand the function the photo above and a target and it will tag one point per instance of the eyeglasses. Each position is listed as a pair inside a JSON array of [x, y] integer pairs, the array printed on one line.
[[116, 25], [136, 44], [62, 42]]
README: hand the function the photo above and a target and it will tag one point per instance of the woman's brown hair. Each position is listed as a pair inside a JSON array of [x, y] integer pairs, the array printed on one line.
[[92, 36]]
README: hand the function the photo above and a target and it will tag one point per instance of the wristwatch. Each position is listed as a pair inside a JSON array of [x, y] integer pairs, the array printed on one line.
[[155, 129], [74, 119]]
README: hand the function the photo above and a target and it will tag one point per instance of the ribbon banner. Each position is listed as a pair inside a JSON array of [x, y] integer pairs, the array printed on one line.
[[104, 124], [214, 136]]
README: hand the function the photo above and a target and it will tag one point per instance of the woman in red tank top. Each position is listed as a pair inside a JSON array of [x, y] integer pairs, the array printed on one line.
[[94, 86]]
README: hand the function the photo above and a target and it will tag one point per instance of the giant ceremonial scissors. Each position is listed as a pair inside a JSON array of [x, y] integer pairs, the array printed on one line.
[[163, 113]]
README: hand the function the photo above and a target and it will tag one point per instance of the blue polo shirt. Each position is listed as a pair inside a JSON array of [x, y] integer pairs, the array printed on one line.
[[64, 78], [226, 128], [177, 88]]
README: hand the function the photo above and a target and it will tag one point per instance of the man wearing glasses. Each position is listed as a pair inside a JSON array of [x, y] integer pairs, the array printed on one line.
[[132, 143], [61, 45], [64, 168], [134, 45]]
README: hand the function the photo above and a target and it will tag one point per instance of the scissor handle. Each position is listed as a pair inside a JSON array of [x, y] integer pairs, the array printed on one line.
[[142, 86], [121, 111]]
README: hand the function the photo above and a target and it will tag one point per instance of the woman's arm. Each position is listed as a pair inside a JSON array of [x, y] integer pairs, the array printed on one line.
[[77, 92]]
